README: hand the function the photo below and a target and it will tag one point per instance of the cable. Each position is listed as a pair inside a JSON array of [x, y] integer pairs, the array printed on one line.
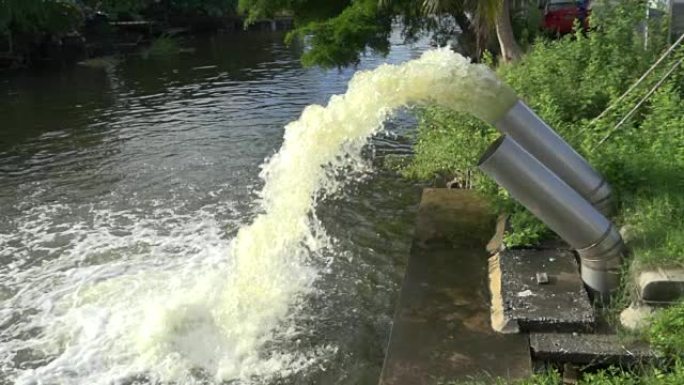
[[642, 101]]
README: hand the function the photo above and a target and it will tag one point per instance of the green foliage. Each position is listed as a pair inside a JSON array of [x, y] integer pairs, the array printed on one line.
[[646, 376], [340, 40], [52, 16], [611, 376], [658, 231], [304, 11], [569, 82], [527, 229], [551, 377], [645, 161], [449, 145], [546, 378], [60, 16], [339, 31], [667, 331], [574, 78], [526, 24], [447, 148]]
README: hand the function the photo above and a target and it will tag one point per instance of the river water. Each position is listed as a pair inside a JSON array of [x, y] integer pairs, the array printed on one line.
[[145, 164]]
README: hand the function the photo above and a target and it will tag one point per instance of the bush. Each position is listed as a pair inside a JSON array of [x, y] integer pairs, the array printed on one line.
[[645, 163], [448, 149], [569, 82], [32, 16]]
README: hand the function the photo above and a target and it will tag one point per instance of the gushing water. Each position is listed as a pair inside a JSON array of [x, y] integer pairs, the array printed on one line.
[[212, 317]]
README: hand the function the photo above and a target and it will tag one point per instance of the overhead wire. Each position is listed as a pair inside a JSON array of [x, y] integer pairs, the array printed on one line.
[[641, 102], [641, 79]]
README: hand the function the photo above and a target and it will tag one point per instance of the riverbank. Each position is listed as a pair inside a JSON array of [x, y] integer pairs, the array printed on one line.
[[80, 32], [570, 82], [150, 165]]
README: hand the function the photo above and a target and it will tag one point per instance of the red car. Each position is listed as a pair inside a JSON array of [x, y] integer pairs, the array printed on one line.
[[560, 16]]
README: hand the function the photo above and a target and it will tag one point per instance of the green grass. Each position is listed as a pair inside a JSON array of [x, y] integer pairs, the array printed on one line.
[[666, 333], [546, 378], [611, 376], [569, 82], [655, 230]]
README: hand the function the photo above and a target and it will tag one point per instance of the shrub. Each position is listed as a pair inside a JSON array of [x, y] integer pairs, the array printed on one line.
[[644, 162], [31, 16], [445, 148], [569, 82]]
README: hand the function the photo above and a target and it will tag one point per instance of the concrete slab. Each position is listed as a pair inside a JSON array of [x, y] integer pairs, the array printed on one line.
[[441, 328], [661, 286], [585, 349], [523, 301]]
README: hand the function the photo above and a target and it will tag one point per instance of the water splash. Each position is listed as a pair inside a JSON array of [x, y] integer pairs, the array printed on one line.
[[211, 316]]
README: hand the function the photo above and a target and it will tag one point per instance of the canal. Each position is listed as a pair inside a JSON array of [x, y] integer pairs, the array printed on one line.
[[125, 169]]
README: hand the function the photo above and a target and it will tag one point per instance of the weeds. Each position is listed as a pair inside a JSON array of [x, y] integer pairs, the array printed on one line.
[[569, 82]]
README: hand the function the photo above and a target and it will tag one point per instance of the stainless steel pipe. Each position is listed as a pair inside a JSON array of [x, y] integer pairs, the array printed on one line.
[[561, 208], [540, 140]]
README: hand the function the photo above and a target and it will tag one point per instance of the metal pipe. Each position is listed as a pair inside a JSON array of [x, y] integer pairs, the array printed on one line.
[[561, 208], [540, 140]]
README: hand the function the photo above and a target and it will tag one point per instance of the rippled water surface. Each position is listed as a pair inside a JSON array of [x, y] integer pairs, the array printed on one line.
[[124, 167]]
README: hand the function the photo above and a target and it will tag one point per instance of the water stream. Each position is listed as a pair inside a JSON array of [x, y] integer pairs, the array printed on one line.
[[108, 284]]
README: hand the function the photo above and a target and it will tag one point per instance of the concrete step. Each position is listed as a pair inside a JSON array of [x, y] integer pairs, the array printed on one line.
[[538, 291], [589, 349], [441, 329]]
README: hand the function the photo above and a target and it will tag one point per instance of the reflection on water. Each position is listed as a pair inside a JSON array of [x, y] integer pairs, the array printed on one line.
[[124, 166]]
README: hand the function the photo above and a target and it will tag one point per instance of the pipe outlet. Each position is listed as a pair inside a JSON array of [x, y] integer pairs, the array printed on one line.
[[536, 137]]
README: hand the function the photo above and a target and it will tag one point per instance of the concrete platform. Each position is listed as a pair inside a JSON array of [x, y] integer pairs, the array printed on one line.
[[540, 291], [588, 349], [441, 329]]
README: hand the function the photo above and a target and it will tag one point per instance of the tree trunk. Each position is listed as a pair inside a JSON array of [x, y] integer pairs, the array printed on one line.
[[510, 50]]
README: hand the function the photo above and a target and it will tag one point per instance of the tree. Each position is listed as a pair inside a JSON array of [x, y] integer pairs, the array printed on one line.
[[39, 15], [31, 17], [510, 50], [339, 31], [484, 14]]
